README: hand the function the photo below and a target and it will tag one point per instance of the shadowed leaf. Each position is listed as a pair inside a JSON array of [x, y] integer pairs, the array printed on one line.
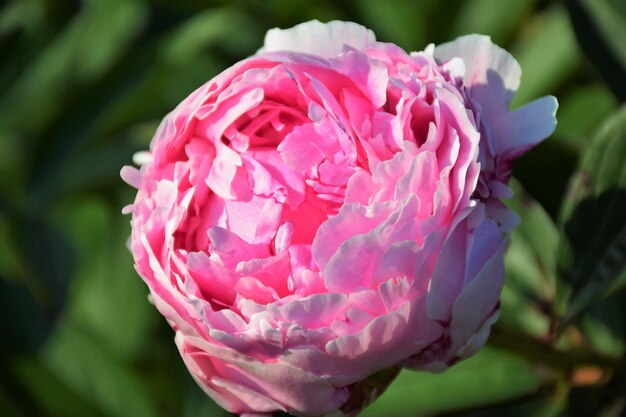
[[600, 27], [530, 263], [593, 245]]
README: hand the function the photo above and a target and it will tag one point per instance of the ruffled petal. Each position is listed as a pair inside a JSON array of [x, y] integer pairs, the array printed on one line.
[[492, 77], [484, 60], [327, 40]]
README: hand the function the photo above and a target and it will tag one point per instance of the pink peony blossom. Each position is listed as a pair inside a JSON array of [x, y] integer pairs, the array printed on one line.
[[330, 208]]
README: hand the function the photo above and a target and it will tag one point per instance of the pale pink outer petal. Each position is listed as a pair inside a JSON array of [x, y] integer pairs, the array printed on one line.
[[480, 55], [492, 77], [478, 339], [477, 301], [447, 278], [326, 40], [466, 296], [383, 342], [527, 126], [250, 385]]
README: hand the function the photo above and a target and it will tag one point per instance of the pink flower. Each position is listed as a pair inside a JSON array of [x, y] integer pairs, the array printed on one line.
[[330, 208]]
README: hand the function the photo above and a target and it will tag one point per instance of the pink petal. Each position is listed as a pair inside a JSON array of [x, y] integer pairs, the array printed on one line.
[[370, 75], [357, 262], [352, 219], [312, 312], [299, 148], [131, 176], [359, 188]]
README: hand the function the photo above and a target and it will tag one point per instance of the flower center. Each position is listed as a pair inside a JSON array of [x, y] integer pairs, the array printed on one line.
[[263, 184]]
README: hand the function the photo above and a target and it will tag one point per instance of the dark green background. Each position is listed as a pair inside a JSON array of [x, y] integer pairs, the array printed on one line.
[[84, 84]]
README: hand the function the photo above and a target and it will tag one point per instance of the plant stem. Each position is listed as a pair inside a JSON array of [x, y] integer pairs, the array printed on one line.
[[538, 351]]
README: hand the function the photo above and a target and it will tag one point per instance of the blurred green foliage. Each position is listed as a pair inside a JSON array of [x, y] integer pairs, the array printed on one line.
[[84, 85]]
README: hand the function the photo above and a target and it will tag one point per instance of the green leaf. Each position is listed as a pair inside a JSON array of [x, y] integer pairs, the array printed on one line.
[[12, 156], [489, 18], [112, 24], [530, 266], [50, 393], [208, 29], [8, 405], [549, 401], [189, 49], [35, 297], [11, 264], [92, 168], [29, 326], [599, 400], [489, 377], [600, 27], [82, 52], [106, 290], [404, 23], [83, 365], [18, 14], [547, 52], [603, 325], [593, 243], [580, 112]]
